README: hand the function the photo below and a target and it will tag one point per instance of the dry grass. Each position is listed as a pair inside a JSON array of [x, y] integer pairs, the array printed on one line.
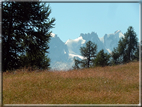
[[101, 85]]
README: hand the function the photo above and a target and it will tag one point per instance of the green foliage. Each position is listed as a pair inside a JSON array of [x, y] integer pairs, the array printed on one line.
[[25, 34], [76, 65], [115, 57], [131, 44], [102, 59], [138, 54], [89, 53], [127, 49]]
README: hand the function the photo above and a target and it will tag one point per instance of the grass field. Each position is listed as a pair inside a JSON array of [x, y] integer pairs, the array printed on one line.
[[101, 85]]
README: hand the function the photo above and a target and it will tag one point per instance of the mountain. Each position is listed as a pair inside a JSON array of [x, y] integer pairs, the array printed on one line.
[[74, 45], [110, 41], [62, 54], [58, 53]]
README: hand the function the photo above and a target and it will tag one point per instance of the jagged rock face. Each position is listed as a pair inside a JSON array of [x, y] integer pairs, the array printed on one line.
[[110, 41], [58, 53], [62, 54], [58, 50], [74, 45]]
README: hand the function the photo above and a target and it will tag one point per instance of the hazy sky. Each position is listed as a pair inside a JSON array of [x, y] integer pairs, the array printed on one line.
[[102, 18]]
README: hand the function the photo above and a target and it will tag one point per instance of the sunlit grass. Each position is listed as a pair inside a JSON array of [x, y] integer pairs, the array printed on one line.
[[101, 85]]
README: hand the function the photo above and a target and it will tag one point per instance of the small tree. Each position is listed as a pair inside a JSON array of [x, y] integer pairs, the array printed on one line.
[[89, 53], [102, 59], [76, 65], [115, 56]]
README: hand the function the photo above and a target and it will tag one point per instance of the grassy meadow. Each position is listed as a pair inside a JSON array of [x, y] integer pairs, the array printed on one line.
[[100, 85]]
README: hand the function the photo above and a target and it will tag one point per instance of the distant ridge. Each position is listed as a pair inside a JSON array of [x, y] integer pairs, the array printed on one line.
[[62, 54]]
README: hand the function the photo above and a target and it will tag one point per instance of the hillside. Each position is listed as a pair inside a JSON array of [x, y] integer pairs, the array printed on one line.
[[101, 85]]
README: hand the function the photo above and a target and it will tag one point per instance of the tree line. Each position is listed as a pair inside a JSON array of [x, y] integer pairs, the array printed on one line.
[[25, 34], [126, 51]]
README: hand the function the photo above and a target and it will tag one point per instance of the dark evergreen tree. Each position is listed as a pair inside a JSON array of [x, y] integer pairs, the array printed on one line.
[[115, 57], [76, 65], [25, 34], [102, 59], [119, 53], [10, 40], [89, 53], [131, 44], [127, 47], [138, 53]]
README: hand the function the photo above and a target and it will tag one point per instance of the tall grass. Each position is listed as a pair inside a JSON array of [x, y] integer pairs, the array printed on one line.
[[101, 85]]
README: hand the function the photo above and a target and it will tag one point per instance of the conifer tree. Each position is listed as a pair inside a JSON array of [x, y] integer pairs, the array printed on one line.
[[76, 65], [137, 53], [102, 59], [115, 56], [121, 50], [127, 47], [89, 53], [25, 34], [131, 44]]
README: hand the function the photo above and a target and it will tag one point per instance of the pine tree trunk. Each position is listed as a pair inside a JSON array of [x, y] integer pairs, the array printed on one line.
[[8, 41]]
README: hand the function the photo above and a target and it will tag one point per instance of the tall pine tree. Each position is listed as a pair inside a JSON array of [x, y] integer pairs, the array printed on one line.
[[127, 47], [25, 34], [131, 44]]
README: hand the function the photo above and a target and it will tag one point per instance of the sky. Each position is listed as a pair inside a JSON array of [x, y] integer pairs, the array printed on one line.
[[72, 19]]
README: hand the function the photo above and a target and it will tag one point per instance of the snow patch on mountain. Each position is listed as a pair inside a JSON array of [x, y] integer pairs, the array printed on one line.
[[58, 53], [74, 45], [52, 35], [59, 66], [62, 54], [79, 39], [118, 31], [102, 39], [73, 56], [109, 50], [110, 41]]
